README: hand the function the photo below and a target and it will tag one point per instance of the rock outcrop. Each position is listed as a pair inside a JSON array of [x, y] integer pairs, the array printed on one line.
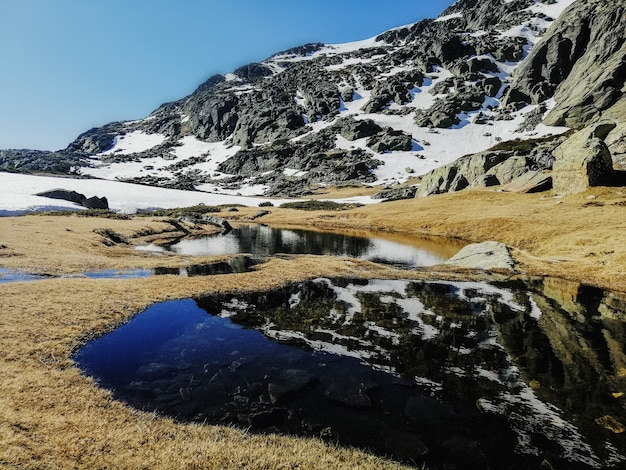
[[581, 62], [93, 202]]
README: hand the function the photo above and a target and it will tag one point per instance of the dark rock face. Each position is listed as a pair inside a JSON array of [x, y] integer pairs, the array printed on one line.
[[353, 130], [95, 202], [253, 72], [445, 112], [390, 140], [95, 140], [78, 198], [581, 62], [41, 161]]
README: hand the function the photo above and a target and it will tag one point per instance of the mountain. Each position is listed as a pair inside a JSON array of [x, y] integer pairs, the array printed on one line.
[[496, 82]]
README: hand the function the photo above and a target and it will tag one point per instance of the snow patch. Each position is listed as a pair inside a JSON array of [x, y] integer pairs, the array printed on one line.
[[134, 142], [449, 17], [18, 190]]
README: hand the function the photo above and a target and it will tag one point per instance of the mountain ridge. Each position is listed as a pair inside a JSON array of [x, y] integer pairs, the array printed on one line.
[[379, 111]]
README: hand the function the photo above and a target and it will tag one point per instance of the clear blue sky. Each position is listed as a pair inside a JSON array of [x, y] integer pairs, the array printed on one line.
[[69, 65]]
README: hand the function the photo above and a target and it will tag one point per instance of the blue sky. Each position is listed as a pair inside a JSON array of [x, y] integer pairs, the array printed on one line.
[[69, 65]]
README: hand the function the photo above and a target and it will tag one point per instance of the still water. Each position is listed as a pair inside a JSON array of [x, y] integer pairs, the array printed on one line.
[[447, 375], [266, 241]]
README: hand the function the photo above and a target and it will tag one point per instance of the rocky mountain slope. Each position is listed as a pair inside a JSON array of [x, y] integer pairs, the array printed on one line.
[[407, 103]]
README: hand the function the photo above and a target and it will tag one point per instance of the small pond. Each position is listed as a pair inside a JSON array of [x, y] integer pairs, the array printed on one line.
[[266, 241], [441, 374], [235, 264]]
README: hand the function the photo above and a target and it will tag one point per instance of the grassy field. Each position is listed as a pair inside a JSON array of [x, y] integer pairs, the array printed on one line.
[[51, 416]]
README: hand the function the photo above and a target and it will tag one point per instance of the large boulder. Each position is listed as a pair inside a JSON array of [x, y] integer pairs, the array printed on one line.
[[487, 255], [352, 129], [390, 140], [583, 160]]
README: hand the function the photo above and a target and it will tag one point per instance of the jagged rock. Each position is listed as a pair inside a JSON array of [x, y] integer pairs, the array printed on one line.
[[95, 203], [352, 129], [443, 113], [211, 82], [394, 89], [253, 72], [77, 198], [487, 255], [390, 140], [583, 160], [616, 141], [491, 86], [442, 120], [64, 194], [61, 162], [480, 15]]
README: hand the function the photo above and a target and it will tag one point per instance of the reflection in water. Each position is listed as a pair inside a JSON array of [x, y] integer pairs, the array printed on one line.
[[11, 275], [453, 375], [262, 240]]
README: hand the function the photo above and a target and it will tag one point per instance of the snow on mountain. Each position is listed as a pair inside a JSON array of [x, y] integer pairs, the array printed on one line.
[[433, 147], [378, 112], [19, 195]]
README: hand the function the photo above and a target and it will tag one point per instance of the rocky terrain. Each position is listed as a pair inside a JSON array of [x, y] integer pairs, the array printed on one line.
[[495, 82]]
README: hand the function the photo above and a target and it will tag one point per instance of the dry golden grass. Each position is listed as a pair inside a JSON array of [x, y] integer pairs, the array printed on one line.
[[580, 237], [51, 416]]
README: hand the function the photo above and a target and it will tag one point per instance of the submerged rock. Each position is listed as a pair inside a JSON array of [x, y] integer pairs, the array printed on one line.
[[351, 392]]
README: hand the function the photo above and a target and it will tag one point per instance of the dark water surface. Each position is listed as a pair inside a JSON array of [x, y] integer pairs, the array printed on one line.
[[266, 241], [450, 375]]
